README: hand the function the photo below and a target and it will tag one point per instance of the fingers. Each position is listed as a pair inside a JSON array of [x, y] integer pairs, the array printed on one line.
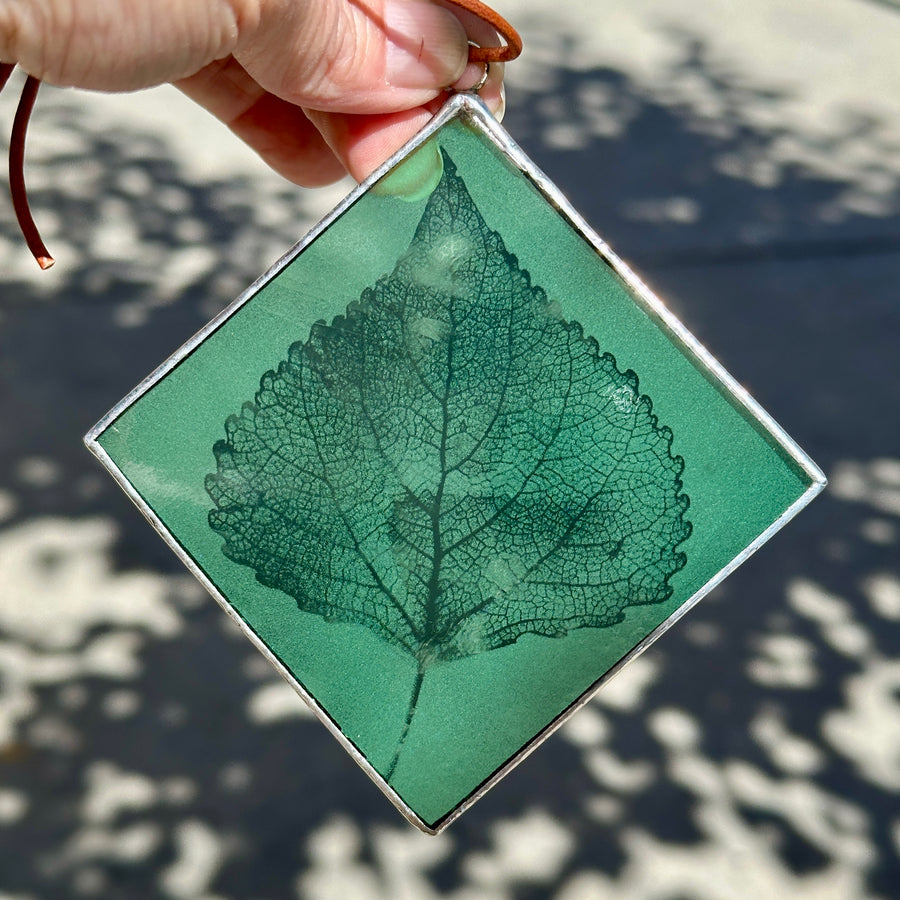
[[339, 55], [373, 70], [117, 45], [357, 56], [313, 146], [277, 130], [362, 143]]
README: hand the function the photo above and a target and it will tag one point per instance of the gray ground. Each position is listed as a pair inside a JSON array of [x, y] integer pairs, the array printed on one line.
[[746, 160]]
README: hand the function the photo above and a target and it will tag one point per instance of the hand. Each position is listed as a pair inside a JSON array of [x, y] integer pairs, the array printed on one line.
[[316, 87]]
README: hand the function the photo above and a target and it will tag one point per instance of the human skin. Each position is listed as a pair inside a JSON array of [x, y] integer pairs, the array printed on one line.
[[316, 87]]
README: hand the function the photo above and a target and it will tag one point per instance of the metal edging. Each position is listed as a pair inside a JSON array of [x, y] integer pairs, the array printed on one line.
[[472, 109]]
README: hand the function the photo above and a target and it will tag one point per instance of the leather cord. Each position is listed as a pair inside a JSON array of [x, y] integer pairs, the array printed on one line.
[[17, 167], [507, 51]]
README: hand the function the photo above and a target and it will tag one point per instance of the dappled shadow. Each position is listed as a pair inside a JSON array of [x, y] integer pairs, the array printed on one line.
[[146, 750]]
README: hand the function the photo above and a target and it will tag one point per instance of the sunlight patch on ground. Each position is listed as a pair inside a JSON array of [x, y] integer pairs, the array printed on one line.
[[13, 806], [789, 752], [785, 661], [121, 704], [275, 702], [200, 853], [402, 859], [735, 860], [875, 483], [835, 826], [110, 792], [675, 729], [618, 775], [59, 584], [867, 730], [586, 728], [118, 827], [529, 850], [58, 589], [625, 691], [7, 505], [94, 844], [879, 531], [840, 129], [882, 590], [334, 872], [832, 614]]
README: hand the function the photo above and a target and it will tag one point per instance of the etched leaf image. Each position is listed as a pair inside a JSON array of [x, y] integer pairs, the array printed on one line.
[[451, 463]]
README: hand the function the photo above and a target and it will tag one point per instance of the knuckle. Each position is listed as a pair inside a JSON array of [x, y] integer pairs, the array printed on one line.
[[37, 36], [13, 30]]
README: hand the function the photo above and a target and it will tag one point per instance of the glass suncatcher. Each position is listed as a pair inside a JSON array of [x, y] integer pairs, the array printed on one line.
[[450, 465]]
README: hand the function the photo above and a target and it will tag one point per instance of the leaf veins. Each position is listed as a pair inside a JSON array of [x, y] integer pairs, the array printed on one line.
[[450, 463]]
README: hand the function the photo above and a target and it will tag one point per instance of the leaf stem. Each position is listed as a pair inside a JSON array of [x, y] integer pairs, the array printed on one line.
[[410, 712]]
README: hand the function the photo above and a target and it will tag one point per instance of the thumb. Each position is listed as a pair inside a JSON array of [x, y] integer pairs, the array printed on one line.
[[354, 56]]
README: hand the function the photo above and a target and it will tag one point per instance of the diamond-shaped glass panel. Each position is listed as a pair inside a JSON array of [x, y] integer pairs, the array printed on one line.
[[450, 465]]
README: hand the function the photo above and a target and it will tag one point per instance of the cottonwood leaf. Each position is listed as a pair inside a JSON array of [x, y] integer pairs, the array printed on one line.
[[451, 463]]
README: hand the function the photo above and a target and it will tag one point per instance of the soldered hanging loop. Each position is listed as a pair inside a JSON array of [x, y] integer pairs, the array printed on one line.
[[481, 81]]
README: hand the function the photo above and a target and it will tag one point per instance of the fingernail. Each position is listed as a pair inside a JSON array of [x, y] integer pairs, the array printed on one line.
[[472, 75], [500, 110], [426, 46]]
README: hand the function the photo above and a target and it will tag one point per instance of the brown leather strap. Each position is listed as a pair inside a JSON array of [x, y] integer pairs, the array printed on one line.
[[17, 174], [6, 69], [17, 167], [513, 46]]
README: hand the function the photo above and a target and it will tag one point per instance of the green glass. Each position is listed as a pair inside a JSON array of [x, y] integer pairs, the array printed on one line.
[[450, 465]]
